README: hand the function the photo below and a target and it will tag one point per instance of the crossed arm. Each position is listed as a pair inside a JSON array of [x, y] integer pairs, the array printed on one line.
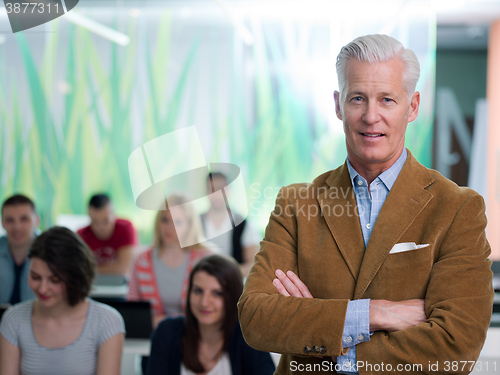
[[456, 287], [384, 315]]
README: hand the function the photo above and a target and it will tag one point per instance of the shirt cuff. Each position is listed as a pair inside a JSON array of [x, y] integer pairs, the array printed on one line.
[[356, 330], [346, 364], [357, 323]]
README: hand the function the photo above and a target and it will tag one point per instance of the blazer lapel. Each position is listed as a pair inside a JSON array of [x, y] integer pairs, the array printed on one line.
[[338, 205], [404, 203]]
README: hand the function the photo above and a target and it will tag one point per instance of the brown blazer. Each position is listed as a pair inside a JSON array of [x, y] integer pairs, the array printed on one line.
[[315, 232]]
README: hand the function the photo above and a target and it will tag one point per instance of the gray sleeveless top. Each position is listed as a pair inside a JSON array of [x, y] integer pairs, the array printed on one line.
[[78, 358]]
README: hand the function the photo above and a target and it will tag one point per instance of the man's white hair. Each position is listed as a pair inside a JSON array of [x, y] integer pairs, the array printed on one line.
[[378, 48]]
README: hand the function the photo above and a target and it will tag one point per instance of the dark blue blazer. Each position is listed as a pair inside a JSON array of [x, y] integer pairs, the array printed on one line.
[[165, 357]]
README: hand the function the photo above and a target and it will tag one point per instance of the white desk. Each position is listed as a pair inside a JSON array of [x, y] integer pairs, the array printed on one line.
[[113, 291], [137, 346], [133, 349], [491, 346], [489, 359], [109, 286]]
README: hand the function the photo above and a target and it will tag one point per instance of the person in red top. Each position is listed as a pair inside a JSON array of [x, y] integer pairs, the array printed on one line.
[[110, 239]]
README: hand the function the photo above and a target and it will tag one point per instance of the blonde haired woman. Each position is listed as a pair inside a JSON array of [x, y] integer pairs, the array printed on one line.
[[161, 274]]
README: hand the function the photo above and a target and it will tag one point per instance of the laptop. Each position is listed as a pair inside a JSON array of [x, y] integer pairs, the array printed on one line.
[[109, 280], [136, 315]]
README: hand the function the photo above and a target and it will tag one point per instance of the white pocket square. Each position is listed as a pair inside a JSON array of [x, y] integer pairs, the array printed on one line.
[[406, 246]]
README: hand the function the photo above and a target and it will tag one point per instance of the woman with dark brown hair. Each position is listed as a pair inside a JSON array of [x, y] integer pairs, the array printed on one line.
[[62, 331], [208, 340]]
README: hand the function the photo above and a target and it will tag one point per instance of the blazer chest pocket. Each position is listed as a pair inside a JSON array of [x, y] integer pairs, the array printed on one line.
[[410, 259]]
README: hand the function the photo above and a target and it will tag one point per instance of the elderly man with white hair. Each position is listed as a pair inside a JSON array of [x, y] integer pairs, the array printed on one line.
[[381, 265]]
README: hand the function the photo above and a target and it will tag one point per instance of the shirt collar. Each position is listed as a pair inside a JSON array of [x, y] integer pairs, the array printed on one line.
[[388, 177]]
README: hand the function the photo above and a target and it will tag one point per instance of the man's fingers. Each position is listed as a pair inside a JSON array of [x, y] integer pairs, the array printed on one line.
[[292, 284], [288, 284], [280, 288], [304, 290]]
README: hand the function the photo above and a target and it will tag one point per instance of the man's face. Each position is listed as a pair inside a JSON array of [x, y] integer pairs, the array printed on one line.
[[375, 112], [20, 223], [102, 221]]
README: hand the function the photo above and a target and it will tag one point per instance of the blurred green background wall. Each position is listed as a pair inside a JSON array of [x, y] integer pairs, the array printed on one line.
[[74, 105]]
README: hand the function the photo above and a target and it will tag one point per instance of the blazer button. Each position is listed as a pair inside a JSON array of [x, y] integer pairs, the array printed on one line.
[[307, 349], [316, 349], [322, 350]]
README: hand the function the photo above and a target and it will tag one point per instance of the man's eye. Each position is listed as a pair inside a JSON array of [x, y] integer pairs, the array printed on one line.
[[388, 100], [357, 99]]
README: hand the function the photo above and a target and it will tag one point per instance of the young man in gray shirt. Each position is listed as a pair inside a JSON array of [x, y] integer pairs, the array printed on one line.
[[20, 220]]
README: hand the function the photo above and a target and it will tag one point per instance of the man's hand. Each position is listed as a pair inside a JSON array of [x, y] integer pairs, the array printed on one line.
[[396, 316], [384, 315], [290, 285]]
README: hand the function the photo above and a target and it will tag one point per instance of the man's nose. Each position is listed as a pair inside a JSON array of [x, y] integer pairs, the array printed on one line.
[[371, 114]]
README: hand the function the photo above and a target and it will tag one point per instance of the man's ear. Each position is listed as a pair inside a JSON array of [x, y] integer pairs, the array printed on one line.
[[414, 105], [336, 96]]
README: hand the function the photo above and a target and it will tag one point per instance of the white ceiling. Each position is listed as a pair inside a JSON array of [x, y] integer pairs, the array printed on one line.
[[467, 12], [462, 24], [466, 27], [448, 11]]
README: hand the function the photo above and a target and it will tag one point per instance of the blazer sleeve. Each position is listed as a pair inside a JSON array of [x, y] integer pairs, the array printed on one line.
[[458, 304], [271, 322]]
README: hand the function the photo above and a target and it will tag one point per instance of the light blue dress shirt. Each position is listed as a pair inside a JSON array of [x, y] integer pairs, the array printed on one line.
[[369, 202]]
